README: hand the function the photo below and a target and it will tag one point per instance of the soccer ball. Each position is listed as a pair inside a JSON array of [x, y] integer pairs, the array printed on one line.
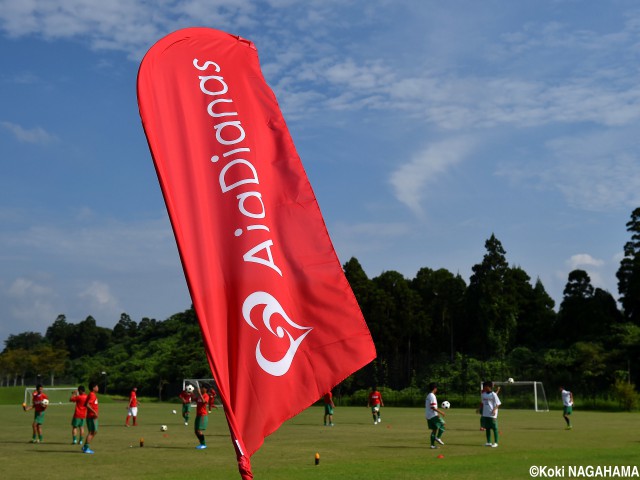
[[174, 412], [163, 428], [45, 402], [446, 404], [189, 388], [510, 380]]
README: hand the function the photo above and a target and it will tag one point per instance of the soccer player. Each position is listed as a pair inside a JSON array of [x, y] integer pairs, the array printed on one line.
[[202, 414], [92, 416], [186, 399], [432, 413], [38, 406], [328, 408], [212, 399], [132, 408], [567, 406], [489, 411], [375, 402], [79, 397]]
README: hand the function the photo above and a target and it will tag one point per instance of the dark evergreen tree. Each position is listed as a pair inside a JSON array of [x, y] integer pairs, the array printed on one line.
[[629, 272], [492, 310]]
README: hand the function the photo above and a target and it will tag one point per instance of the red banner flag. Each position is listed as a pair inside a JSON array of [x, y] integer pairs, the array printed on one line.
[[280, 323]]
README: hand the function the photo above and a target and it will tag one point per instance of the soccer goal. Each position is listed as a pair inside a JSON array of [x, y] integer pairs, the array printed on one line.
[[522, 394], [56, 395], [199, 381]]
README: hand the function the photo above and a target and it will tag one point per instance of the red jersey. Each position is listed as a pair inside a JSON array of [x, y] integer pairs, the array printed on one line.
[[81, 408], [185, 397], [92, 401], [328, 398], [36, 401], [212, 399], [375, 398], [133, 399], [201, 405]]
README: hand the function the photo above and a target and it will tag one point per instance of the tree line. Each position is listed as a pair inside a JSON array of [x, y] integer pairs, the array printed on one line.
[[434, 326]]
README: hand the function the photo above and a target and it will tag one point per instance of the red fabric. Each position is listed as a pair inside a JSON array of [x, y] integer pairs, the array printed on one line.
[[202, 402], [133, 399], [37, 399], [262, 272], [81, 409], [92, 402]]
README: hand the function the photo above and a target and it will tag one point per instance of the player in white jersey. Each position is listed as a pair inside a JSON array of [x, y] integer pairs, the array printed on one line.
[[432, 413], [567, 406], [489, 411]]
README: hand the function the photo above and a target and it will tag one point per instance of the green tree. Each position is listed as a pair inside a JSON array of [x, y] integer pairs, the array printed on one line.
[[26, 341], [492, 309], [59, 332], [629, 272]]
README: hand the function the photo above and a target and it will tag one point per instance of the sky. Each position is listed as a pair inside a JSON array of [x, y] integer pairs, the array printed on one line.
[[424, 127]]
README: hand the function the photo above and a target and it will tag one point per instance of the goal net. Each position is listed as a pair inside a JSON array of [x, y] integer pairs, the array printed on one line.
[[198, 382], [523, 394], [56, 395]]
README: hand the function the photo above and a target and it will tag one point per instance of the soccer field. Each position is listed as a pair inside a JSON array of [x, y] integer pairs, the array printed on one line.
[[353, 449]]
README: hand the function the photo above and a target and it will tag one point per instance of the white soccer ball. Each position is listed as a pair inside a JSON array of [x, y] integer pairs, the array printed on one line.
[[510, 380], [174, 412], [163, 428], [189, 388], [446, 404], [45, 402]]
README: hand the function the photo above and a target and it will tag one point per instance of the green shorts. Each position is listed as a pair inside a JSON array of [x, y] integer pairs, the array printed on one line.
[[92, 424], [77, 422], [186, 407], [38, 417], [567, 410], [435, 423], [375, 408], [328, 409], [201, 423], [489, 423]]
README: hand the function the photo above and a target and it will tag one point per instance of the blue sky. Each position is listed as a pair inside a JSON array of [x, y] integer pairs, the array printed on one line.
[[424, 127]]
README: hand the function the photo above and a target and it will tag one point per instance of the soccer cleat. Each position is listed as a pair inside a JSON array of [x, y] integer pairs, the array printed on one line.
[[434, 446], [379, 420], [495, 445], [488, 444], [439, 441], [201, 447], [186, 423], [88, 450], [569, 427]]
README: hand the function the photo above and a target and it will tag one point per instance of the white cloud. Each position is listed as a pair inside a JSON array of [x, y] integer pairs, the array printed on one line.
[[36, 135], [583, 260], [410, 181], [99, 294]]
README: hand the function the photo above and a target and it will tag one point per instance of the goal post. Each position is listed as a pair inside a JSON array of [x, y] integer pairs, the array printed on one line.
[[199, 381], [522, 394], [56, 395]]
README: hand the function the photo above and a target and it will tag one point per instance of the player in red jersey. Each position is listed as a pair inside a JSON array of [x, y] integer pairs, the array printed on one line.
[[212, 398], [202, 414], [328, 408], [132, 408], [79, 397], [92, 416], [186, 399], [38, 405], [375, 402]]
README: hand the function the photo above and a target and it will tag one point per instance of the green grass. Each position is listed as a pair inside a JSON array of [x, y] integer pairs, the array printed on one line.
[[353, 449]]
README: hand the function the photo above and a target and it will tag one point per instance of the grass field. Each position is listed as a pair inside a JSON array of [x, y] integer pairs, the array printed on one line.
[[353, 449]]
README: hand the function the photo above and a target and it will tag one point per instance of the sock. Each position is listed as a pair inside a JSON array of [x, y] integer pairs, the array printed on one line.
[[433, 438], [40, 437], [75, 439], [488, 434], [135, 421], [495, 434]]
